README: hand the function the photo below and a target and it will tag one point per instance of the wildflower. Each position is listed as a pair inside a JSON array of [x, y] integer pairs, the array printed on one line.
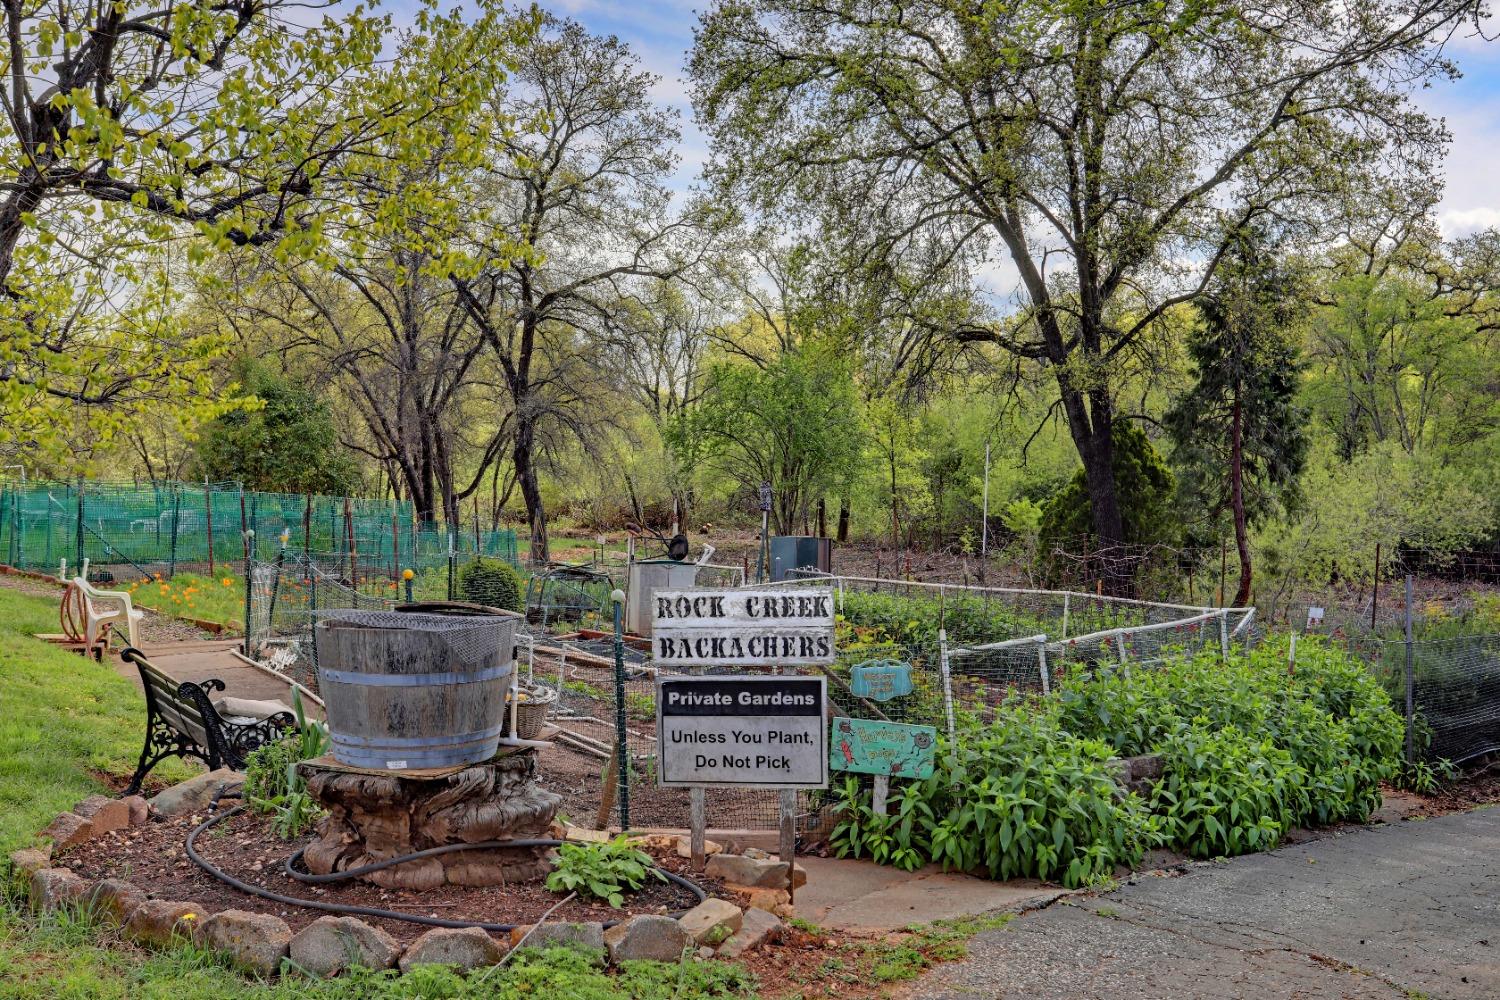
[[228, 582]]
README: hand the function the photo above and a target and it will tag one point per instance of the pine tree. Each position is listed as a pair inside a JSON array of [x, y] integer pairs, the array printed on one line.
[[1239, 437]]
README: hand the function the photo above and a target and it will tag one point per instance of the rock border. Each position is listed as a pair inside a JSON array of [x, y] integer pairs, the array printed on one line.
[[264, 945]]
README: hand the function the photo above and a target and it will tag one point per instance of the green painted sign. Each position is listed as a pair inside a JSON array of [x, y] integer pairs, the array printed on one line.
[[881, 680], [867, 746]]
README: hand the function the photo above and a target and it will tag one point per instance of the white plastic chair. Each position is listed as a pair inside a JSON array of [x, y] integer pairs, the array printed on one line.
[[102, 608]]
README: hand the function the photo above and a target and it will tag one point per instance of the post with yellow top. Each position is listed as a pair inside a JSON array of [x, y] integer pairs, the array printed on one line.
[[407, 574]]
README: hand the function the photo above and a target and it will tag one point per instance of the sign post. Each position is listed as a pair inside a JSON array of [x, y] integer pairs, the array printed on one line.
[[745, 731]]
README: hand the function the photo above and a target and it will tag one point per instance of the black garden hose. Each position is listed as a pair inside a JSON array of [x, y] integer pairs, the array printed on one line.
[[371, 911]]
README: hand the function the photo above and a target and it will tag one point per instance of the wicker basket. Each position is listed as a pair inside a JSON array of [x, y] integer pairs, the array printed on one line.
[[536, 701]]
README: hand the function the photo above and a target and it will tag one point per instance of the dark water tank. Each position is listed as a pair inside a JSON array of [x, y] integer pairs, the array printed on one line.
[[794, 552]]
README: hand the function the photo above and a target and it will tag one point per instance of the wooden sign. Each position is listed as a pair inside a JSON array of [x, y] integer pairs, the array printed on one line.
[[895, 749], [880, 680], [742, 627], [756, 732]]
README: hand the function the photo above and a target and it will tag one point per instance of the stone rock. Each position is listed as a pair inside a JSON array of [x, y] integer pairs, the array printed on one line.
[[648, 936], [1137, 774], [115, 899], [758, 928], [685, 848], [741, 869], [704, 954], [587, 937], [799, 876], [140, 809], [55, 888], [104, 815], [68, 830], [757, 854], [254, 942], [330, 945], [461, 947], [711, 921], [159, 921], [193, 794], [28, 861], [777, 901]]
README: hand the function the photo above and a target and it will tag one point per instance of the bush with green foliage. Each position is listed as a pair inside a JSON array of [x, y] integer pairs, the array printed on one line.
[[273, 785], [1143, 485], [1021, 799], [490, 582], [1250, 751], [914, 621], [604, 871]]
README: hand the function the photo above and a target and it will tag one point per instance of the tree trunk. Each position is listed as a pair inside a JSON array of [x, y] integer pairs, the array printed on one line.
[[531, 493], [1092, 430], [843, 535], [1237, 500]]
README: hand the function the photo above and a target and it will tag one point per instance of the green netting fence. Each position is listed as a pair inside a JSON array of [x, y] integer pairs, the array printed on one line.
[[167, 527]]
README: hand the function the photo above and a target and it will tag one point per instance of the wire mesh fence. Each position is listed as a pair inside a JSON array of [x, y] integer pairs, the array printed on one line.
[[164, 528]]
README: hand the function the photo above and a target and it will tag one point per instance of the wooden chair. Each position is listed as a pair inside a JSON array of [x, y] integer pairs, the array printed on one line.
[[181, 721]]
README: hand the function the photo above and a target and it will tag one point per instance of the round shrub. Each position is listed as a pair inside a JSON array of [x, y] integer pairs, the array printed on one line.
[[492, 583]]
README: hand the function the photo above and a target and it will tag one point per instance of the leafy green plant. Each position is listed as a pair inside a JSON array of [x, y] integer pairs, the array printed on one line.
[[604, 871], [1225, 793], [490, 582], [273, 785]]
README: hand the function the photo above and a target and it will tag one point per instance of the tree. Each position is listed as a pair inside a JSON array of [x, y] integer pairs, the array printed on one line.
[[286, 444], [1097, 147], [583, 179], [1240, 443], [1145, 485], [794, 423], [128, 126]]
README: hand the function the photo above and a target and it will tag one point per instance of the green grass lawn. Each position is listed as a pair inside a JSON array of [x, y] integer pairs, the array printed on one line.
[[188, 595], [65, 724]]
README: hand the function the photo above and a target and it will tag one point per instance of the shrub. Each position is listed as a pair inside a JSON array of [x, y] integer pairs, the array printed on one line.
[[877, 617], [602, 870], [272, 784], [1226, 793], [1021, 799], [492, 583]]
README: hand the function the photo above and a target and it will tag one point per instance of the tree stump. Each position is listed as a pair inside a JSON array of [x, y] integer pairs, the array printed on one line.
[[377, 815]]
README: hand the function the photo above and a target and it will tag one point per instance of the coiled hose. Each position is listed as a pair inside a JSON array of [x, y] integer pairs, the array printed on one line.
[[290, 867]]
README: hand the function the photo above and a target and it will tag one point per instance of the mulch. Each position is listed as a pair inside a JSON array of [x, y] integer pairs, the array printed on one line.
[[153, 857]]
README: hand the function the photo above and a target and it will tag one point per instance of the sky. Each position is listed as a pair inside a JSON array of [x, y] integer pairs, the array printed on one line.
[[660, 32]]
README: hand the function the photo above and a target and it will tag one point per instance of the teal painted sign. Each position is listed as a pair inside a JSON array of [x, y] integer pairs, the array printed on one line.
[[880, 680], [867, 746]]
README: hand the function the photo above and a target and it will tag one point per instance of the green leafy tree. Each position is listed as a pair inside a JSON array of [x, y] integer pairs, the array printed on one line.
[[1240, 443], [1096, 146], [1146, 487], [793, 423], [287, 443], [129, 126]]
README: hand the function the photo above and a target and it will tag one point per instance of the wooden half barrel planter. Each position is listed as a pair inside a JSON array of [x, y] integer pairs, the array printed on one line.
[[416, 706]]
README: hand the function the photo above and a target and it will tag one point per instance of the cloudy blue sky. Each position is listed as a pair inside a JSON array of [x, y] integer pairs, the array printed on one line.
[[661, 31]]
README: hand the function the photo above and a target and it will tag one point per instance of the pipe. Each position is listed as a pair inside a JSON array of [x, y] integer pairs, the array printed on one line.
[[371, 911]]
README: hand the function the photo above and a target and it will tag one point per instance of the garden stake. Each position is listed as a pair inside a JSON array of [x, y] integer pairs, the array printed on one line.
[[1410, 685], [622, 769], [208, 510]]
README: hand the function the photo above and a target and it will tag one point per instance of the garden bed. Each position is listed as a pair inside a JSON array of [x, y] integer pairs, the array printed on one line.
[[152, 856]]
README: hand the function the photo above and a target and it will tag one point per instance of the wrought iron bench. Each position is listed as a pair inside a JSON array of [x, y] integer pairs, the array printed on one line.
[[181, 721]]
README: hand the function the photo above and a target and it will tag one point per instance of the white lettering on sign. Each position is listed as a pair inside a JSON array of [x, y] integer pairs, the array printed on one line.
[[743, 627], [756, 732]]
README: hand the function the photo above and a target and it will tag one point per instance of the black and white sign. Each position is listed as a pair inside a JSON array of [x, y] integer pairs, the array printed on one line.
[[785, 627], [755, 732]]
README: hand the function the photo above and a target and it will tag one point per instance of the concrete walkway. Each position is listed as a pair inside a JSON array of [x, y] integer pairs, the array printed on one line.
[[861, 897], [1405, 910]]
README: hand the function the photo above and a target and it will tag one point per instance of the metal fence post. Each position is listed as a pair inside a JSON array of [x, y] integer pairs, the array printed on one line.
[[78, 541], [1410, 681], [312, 576], [947, 690], [622, 749], [1041, 662], [452, 562], [249, 585], [176, 516], [1224, 635]]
